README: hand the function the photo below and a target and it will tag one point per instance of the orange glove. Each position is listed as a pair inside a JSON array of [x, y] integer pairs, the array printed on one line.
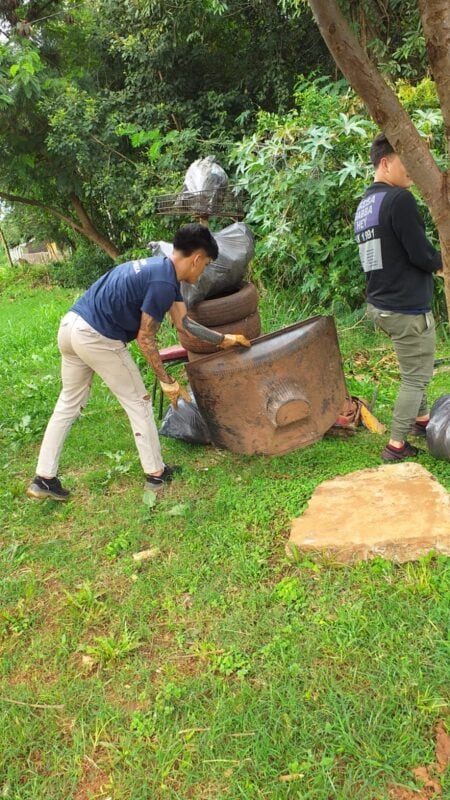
[[233, 339], [173, 392]]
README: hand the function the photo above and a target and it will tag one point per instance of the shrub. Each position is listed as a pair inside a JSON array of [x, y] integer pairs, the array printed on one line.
[[82, 268], [304, 173]]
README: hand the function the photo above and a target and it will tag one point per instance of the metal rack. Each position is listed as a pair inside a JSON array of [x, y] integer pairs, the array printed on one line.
[[202, 205]]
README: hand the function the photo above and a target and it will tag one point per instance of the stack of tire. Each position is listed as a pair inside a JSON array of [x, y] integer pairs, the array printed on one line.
[[233, 312]]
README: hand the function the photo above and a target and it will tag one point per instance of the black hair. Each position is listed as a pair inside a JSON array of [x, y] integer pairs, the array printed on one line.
[[195, 237], [381, 147]]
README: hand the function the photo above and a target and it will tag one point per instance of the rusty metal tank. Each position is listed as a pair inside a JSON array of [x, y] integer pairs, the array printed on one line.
[[283, 393]]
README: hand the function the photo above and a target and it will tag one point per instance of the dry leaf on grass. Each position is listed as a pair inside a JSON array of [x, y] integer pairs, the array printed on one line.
[[144, 555]]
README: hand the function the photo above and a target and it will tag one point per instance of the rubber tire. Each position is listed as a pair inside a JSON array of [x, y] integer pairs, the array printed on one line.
[[249, 326], [226, 308]]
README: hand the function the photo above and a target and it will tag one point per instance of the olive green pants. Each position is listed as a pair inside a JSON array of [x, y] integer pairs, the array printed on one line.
[[414, 340]]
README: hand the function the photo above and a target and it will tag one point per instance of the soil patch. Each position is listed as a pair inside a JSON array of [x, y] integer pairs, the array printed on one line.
[[428, 776]]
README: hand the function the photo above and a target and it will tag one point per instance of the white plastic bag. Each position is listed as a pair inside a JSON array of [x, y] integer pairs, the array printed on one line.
[[205, 175]]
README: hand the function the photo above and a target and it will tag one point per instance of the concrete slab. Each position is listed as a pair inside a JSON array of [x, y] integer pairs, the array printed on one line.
[[398, 511]]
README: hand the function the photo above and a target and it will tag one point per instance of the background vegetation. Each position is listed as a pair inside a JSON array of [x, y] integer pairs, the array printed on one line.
[[104, 105]]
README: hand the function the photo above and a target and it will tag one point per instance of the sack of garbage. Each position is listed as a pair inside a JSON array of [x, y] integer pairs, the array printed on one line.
[[160, 248], [185, 422], [438, 428], [204, 188], [236, 249], [205, 175]]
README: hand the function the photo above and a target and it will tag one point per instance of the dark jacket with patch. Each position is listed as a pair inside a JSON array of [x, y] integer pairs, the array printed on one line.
[[395, 253]]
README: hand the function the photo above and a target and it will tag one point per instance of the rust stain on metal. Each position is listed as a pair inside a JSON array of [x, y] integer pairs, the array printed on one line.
[[283, 393]]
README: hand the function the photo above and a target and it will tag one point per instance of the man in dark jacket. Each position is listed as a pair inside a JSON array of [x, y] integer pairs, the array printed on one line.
[[399, 263], [128, 302]]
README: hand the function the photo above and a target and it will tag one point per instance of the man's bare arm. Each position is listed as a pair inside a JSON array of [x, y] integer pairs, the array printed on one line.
[[182, 321], [146, 339]]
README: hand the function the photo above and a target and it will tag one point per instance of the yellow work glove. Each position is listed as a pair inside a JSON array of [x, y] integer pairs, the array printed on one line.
[[232, 339], [173, 392]]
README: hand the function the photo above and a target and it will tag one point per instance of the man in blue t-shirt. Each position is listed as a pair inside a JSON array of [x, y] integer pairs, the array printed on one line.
[[128, 302]]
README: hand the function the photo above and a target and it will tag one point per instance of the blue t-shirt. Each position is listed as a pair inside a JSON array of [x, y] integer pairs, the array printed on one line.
[[113, 304]]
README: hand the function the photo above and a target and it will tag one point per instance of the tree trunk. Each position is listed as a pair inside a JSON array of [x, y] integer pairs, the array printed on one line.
[[86, 228], [5, 245], [89, 231], [435, 15], [388, 113]]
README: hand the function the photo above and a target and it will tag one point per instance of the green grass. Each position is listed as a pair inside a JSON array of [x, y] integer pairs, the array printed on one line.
[[216, 666]]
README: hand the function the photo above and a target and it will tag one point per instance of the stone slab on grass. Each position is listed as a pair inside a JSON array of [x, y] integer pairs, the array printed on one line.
[[397, 511]]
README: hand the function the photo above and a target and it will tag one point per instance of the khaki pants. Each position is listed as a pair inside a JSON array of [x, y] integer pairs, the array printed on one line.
[[414, 340], [85, 351]]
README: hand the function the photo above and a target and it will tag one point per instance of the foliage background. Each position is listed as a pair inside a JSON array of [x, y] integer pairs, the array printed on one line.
[[111, 101]]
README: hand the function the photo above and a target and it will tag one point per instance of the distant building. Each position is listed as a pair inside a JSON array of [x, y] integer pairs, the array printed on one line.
[[36, 252]]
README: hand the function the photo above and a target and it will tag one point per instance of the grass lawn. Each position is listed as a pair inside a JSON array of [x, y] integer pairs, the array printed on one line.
[[216, 668]]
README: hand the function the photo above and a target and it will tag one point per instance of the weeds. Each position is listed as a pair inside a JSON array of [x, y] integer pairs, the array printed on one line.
[[17, 620], [107, 649], [117, 546]]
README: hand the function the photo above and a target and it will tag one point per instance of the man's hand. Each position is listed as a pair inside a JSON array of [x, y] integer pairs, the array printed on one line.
[[439, 273], [233, 339], [173, 392]]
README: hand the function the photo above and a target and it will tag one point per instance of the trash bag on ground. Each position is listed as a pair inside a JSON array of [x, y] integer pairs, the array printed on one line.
[[185, 422], [236, 250], [438, 428]]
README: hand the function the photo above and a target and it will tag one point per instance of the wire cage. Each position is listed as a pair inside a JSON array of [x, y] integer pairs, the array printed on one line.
[[218, 203]]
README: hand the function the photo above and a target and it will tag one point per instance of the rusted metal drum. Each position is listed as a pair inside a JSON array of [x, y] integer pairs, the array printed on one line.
[[283, 393]]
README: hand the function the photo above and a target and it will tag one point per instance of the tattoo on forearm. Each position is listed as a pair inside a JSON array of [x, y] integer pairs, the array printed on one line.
[[146, 340]]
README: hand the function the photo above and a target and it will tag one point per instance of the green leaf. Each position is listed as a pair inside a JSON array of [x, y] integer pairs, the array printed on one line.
[[178, 510], [154, 151], [149, 498]]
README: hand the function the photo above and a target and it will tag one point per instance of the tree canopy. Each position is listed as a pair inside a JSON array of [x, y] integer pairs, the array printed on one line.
[[101, 102]]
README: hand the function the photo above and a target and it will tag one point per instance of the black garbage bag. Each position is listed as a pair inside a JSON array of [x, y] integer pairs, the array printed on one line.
[[438, 428], [236, 250], [185, 422]]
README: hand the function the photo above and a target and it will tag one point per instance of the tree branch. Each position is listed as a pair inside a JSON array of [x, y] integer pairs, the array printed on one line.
[[89, 229], [13, 198], [386, 109], [86, 228]]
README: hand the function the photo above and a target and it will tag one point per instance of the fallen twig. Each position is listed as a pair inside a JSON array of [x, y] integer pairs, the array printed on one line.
[[30, 705]]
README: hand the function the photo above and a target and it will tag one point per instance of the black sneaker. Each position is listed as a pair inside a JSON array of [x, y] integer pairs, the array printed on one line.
[[391, 454], [419, 429], [156, 483], [40, 488]]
